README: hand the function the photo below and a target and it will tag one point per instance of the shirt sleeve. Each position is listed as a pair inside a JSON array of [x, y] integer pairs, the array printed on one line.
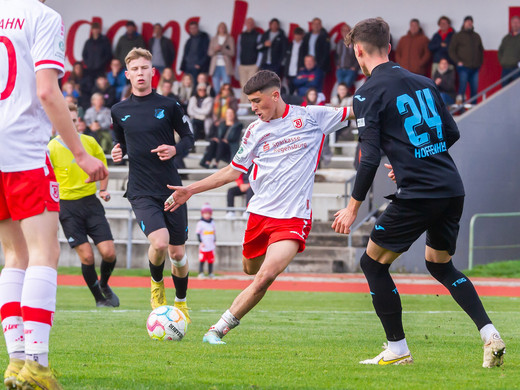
[[329, 119], [246, 152], [48, 50], [198, 229], [119, 133]]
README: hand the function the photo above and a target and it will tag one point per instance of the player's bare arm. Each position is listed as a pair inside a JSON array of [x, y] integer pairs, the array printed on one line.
[[56, 109], [344, 218], [182, 194], [165, 152]]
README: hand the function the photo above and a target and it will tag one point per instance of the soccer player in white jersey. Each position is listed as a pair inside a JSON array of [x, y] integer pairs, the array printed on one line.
[[283, 145], [31, 59]]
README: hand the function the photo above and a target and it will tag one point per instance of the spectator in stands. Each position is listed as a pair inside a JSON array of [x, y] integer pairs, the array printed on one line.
[[317, 44], [128, 41], [224, 100], [467, 51], [347, 67], [224, 145], [293, 61], [242, 188], [199, 110], [412, 50], [440, 42], [183, 90], [98, 120], [167, 90], [509, 51], [69, 89], [247, 54], [108, 92], [342, 98], [221, 50], [195, 58], [310, 76], [97, 53], [313, 98], [77, 76], [203, 78], [163, 52], [167, 75], [444, 78], [116, 77], [273, 46], [73, 101]]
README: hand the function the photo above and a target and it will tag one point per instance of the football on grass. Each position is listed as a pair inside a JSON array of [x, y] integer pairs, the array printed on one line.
[[166, 323]]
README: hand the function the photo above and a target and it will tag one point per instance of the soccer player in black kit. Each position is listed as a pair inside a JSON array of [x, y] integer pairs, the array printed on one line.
[[403, 114], [143, 128]]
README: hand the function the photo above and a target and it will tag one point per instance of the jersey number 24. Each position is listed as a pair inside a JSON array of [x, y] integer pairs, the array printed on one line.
[[426, 112]]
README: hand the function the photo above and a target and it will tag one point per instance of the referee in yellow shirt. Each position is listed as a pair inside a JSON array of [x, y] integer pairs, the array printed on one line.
[[82, 214]]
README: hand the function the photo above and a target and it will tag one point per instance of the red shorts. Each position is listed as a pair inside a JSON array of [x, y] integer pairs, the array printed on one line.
[[263, 231], [208, 257], [28, 193]]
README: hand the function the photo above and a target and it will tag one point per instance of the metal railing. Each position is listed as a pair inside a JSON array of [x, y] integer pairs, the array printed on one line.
[[484, 92], [472, 246]]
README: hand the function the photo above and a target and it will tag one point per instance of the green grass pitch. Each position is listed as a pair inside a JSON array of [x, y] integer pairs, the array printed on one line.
[[291, 340]]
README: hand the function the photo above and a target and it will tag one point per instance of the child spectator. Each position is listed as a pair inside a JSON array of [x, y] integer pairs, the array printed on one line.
[[207, 238], [69, 90]]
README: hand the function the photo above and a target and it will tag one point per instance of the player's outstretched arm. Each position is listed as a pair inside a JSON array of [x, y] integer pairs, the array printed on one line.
[[182, 194], [56, 109]]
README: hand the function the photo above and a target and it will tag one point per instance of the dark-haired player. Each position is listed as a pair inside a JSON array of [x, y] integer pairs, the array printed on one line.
[[283, 147], [403, 114]]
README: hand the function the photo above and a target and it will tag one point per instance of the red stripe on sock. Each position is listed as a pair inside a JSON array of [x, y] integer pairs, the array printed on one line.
[[37, 315], [10, 309]]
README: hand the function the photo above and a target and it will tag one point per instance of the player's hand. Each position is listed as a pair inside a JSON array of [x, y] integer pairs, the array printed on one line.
[[93, 167], [244, 187], [105, 195], [117, 153], [178, 198], [391, 174], [344, 219], [165, 152]]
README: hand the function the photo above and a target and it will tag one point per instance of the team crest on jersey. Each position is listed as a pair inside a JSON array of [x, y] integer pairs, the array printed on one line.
[[298, 123], [159, 113], [54, 191]]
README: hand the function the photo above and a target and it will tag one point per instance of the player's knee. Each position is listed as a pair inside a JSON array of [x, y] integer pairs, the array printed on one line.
[[160, 246], [264, 280], [440, 270], [87, 260], [364, 263]]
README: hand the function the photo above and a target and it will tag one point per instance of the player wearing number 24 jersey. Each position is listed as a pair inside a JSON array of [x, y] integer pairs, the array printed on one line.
[[403, 114]]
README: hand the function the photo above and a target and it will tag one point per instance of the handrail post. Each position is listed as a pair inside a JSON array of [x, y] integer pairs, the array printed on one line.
[[129, 240], [471, 240]]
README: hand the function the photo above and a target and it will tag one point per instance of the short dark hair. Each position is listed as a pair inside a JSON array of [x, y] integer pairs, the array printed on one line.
[[262, 80], [299, 31], [130, 23], [443, 17], [374, 33]]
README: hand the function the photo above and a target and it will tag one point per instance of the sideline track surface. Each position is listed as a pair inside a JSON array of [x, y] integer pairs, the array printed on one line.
[[346, 283]]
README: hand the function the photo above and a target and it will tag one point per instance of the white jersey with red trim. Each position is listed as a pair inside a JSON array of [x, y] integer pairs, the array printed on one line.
[[31, 39], [285, 153]]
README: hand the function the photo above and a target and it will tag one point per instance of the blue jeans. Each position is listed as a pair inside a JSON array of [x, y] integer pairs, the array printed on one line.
[[448, 99], [468, 76], [347, 76], [219, 77], [505, 72]]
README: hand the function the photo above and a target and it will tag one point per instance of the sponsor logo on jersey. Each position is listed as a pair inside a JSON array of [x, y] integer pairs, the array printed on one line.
[[265, 147], [123, 119], [159, 113], [248, 134], [240, 150], [360, 98], [54, 191], [360, 122], [298, 123]]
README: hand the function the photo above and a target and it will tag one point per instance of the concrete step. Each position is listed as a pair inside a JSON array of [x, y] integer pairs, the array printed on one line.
[[323, 259], [359, 239]]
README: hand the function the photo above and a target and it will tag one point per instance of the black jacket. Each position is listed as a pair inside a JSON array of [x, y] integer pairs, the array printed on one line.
[[322, 49], [168, 51], [278, 47], [199, 55], [97, 53]]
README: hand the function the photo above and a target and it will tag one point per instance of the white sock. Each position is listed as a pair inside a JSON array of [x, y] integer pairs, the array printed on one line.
[[398, 347], [487, 331], [11, 285], [38, 305], [227, 322], [180, 299]]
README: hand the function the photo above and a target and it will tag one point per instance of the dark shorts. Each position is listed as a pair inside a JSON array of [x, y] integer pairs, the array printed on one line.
[[84, 217], [404, 220], [150, 216]]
